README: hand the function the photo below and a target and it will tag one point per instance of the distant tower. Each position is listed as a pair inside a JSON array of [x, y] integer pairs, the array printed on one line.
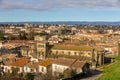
[[118, 48], [97, 57], [59, 31], [42, 47], [93, 59], [100, 58]]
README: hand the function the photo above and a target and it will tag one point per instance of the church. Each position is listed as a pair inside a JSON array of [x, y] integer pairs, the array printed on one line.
[[42, 50]]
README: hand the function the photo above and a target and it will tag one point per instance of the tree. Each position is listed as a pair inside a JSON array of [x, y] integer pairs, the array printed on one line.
[[1, 36], [22, 36], [73, 73], [15, 71], [6, 76], [30, 36], [118, 49], [29, 76]]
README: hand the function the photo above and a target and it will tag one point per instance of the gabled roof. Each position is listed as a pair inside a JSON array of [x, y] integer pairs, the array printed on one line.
[[44, 63], [64, 61], [78, 64], [73, 63], [76, 48], [72, 47], [10, 56], [20, 62]]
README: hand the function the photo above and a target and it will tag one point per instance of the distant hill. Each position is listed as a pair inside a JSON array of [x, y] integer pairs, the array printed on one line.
[[66, 22]]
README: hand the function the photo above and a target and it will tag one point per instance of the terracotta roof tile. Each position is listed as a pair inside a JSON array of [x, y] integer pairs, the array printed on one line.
[[79, 64], [64, 61], [33, 65], [20, 62], [46, 62], [70, 62]]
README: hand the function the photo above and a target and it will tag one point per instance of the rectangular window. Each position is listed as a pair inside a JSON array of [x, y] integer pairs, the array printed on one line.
[[55, 67], [42, 69]]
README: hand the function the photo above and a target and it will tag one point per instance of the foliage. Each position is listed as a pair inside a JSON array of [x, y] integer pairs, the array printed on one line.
[[41, 33], [73, 73], [15, 71], [117, 58], [22, 36], [30, 36], [1, 36], [65, 39], [29, 76], [12, 76], [112, 72]]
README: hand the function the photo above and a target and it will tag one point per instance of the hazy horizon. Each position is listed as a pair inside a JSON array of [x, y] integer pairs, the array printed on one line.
[[59, 10]]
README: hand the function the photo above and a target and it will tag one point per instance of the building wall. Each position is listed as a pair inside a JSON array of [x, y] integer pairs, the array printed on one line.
[[96, 57], [79, 70], [0, 44], [71, 52], [41, 50], [119, 49], [27, 69], [21, 70], [42, 69], [7, 69], [41, 46], [56, 69]]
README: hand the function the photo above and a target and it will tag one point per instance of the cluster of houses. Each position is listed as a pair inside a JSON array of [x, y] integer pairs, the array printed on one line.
[[57, 33], [39, 56], [62, 48], [53, 66]]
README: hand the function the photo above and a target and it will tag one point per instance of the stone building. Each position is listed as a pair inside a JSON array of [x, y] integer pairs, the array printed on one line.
[[93, 55], [42, 46], [86, 53], [119, 49]]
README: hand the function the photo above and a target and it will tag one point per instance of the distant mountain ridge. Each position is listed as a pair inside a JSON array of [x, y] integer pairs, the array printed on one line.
[[66, 22]]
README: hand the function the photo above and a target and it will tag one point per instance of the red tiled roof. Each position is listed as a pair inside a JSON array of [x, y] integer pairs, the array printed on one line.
[[70, 62], [10, 56], [79, 64], [20, 62], [64, 61], [46, 62]]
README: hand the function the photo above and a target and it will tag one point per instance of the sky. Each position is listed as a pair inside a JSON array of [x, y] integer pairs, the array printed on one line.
[[59, 10]]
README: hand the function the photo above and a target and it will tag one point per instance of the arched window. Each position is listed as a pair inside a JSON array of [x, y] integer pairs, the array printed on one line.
[[69, 53], [75, 53]]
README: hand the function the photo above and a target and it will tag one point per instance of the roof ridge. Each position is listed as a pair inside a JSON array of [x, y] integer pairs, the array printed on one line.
[[73, 62]]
